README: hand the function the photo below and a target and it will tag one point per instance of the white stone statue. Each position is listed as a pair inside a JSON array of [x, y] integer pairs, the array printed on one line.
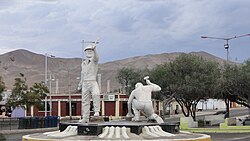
[[140, 100], [88, 83]]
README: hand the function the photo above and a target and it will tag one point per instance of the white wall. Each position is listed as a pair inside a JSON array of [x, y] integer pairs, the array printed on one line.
[[211, 104]]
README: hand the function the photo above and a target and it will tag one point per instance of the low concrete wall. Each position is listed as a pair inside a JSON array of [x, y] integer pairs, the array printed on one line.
[[187, 122], [9, 123], [231, 121], [226, 126], [214, 119]]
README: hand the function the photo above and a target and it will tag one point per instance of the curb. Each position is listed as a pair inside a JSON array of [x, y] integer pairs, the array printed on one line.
[[203, 138]]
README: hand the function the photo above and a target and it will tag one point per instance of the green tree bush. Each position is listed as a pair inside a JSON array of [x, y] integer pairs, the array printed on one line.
[[189, 79], [128, 77], [2, 87], [26, 97]]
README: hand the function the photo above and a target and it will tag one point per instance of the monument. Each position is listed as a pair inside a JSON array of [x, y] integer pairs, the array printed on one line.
[[139, 101], [88, 83]]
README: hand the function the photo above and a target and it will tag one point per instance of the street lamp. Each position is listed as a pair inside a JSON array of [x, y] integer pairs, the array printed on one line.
[[70, 100], [46, 66], [50, 92], [46, 79], [226, 45]]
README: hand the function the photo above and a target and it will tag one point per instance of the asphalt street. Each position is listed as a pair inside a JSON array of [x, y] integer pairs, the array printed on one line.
[[229, 136]]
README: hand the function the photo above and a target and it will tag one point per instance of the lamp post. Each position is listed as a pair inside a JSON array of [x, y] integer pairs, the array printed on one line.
[[50, 93], [226, 46], [70, 100], [46, 79]]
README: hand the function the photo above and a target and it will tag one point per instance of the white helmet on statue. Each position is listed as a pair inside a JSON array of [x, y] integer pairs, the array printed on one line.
[[90, 47]]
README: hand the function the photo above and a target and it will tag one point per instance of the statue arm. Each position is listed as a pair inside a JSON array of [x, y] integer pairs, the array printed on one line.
[[96, 57], [153, 86], [131, 97], [81, 79]]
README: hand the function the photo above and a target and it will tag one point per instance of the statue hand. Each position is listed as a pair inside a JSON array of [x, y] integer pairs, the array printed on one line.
[[93, 46], [79, 88], [146, 77]]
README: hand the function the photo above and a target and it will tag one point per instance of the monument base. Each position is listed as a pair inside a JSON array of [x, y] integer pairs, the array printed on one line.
[[178, 137], [95, 128], [96, 119], [133, 131]]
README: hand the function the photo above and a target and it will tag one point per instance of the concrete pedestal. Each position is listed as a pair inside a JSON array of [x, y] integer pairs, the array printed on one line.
[[92, 131], [95, 128]]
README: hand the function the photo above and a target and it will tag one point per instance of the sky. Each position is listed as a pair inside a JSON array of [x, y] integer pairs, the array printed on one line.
[[125, 28]]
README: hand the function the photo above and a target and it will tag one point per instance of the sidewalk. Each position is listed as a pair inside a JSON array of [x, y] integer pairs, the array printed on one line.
[[220, 125], [16, 135]]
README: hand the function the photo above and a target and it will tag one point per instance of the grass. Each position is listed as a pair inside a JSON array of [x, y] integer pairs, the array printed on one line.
[[219, 130]]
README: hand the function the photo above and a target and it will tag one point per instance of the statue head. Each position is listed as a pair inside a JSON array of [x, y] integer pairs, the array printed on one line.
[[89, 51], [137, 85]]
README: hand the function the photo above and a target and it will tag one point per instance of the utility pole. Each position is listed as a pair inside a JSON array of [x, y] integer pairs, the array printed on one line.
[[70, 100], [226, 46], [46, 79], [50, 92]]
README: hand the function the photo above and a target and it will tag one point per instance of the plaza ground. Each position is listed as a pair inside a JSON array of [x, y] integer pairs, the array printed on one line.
[[15, 135]]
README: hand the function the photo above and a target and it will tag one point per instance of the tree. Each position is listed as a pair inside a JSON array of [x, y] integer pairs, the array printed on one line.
[[35, 94], [161, 75], [189, 78], [229, 85], [235, 85], [23, 96], [246, 83], [244, 90], [19, 91], [2, 87], [128, 77]]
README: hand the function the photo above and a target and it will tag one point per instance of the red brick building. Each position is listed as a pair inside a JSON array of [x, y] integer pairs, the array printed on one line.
[[111, 104]]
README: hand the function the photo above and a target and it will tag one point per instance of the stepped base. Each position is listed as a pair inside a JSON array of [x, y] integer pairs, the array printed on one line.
[[93, 131], [95, 128]]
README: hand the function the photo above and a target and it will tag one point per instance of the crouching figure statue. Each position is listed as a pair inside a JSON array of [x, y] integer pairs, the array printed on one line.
[[140, 101]]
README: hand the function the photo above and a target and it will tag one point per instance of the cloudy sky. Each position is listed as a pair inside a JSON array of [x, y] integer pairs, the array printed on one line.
[[125, 28]]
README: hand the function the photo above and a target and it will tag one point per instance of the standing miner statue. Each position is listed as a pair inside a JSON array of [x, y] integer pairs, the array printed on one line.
[[88, 83]]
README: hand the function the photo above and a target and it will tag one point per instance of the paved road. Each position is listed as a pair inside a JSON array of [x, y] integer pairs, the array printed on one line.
[[238, 112], [230, 136]]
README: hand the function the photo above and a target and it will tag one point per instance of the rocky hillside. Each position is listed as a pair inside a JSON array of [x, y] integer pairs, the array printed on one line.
[[67, 70]]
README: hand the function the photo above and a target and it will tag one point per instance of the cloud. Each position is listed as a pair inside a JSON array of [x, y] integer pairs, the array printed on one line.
[[125, 28]]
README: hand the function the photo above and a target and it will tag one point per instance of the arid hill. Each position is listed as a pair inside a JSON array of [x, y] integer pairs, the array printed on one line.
[[66, 70]]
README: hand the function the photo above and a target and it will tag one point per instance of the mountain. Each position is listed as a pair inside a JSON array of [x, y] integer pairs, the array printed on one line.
[[33, 67], [66, 70]]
